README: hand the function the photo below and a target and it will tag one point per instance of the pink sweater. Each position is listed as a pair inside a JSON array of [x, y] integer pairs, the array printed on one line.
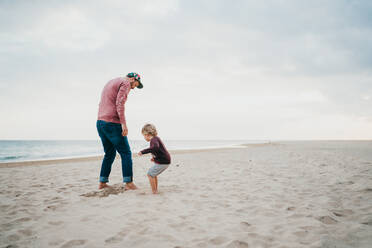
[[113, 98]]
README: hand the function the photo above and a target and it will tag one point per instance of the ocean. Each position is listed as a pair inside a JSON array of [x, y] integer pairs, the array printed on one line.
[[31, 150]]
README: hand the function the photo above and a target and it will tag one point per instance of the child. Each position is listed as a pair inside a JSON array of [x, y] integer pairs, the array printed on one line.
[[160, 155]]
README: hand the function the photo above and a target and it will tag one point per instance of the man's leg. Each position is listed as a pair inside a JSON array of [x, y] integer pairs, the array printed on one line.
[[122, 146], [109, 157]]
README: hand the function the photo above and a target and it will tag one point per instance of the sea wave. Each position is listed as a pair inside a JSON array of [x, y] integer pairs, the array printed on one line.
[[4, 158]]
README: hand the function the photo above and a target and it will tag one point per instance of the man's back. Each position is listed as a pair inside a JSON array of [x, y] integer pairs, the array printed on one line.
[[113, 98]]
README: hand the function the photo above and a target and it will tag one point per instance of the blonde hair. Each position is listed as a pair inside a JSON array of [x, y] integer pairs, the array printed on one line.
[[149, 129]]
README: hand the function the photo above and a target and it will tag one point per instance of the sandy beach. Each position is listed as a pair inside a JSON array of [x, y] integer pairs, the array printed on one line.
[[285, 194]]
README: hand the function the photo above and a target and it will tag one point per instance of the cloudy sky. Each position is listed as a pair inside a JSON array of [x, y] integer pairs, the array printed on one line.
[[279, 69]]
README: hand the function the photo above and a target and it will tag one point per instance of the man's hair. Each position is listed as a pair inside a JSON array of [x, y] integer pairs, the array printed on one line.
[[149, 129]]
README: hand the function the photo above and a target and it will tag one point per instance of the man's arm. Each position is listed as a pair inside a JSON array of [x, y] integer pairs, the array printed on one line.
[[120, 105]]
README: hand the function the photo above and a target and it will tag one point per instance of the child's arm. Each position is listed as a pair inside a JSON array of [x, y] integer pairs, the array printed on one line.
[[140, 154], [154, 145]]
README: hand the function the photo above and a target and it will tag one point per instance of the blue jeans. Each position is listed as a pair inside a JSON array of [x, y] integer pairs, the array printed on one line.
[[112, 141]]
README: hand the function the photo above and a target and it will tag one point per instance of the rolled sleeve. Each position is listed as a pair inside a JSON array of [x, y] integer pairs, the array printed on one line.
[[121, 99]]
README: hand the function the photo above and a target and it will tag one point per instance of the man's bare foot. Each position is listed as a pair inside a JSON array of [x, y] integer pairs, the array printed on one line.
[[130, 185], [103, 185]]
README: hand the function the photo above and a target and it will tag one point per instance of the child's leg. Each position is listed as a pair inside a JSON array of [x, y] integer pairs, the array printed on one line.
[[156, 183], [152, 183]]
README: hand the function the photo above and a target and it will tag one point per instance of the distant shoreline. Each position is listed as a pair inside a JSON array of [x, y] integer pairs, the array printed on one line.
[[40, 150], [99, 157], [94, 157]]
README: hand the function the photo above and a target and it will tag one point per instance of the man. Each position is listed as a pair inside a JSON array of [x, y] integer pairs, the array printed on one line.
[[112, 127]]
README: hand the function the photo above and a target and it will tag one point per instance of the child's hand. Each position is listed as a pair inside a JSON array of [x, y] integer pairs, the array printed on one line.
[[140, 154], [152, 160]]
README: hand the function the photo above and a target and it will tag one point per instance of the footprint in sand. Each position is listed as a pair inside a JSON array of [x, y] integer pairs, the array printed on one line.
[[6, 227], [141, 193], [301, 234], [87, 218], [73, 243], [342, 213], [37, 185], [118, 237], [114, 239], [237, 244], [308, 228], [25, 232], [11, 246], [252, 235], [183, 217], [55, 223], [245, 225], [56, 242], [218, 240], [212, 219], [143, 231], [13, 237], [112, 190], [51, 208], [56, 199], [21, 220], [5, 207], [13, 213], [61, 189], [368, 222], [367, 190], [327, 220]]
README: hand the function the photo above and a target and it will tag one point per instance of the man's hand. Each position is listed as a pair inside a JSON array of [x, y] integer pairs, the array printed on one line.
[[125, 130], [140, 154]]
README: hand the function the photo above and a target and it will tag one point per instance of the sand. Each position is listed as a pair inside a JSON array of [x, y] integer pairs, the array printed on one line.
[[287, 194]]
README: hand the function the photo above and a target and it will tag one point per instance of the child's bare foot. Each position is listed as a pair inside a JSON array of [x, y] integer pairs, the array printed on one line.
[[103, 185], [155, 192], [130, 185]]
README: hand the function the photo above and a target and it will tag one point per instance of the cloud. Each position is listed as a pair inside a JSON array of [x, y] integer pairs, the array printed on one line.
[[63, 28], [269, 63], [68, 29]]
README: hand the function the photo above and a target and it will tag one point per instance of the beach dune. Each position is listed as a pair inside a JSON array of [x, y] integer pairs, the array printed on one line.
[[288, 194]]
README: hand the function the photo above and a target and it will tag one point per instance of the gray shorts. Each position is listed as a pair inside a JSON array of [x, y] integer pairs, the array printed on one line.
[[156, 169]]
